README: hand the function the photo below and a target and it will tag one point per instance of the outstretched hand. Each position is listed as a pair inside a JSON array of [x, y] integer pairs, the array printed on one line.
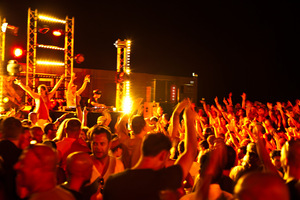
[[17, 82], [87, 78], [243, 95], [62, 76], [73, 76], [189, 110]]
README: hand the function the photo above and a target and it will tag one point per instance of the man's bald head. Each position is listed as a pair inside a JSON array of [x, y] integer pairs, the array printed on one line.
[[46, 156], [36, 168], [260, 186], [79, 164]]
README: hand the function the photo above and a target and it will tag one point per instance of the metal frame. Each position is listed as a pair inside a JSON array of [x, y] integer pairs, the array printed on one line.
[[123, 64], [2, 54], [31, 61]]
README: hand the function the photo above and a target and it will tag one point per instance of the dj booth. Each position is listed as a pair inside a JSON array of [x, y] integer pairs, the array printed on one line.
[[91, 117]]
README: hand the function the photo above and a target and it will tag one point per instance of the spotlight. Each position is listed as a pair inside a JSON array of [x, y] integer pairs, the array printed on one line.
[[79, 58], [18, 52], [14, 30], [57, 32], [44, 30], [5, 100], [13, 67]]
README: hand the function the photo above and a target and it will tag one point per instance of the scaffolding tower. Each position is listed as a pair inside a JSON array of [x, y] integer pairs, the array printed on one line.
[[32, 62], [2, 55], [122, 74]]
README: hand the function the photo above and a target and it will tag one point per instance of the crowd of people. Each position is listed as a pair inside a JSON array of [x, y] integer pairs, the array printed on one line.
[[247, 150]]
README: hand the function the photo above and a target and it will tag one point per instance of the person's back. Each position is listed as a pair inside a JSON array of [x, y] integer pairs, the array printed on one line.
[[9, 154], [290, 159], [36, 173], [71, 143], [261, 186], [144, 183], [149, 177], [132, 148], [79, 172]]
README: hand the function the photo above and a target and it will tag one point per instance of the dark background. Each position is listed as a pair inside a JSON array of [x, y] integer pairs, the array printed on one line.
[[234, 46]]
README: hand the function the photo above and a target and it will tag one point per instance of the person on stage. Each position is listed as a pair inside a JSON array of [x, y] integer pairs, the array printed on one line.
[[95, 100], [72, 91], [42, 99]]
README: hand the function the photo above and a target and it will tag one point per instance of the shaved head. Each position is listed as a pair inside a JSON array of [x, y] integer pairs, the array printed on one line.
[[260, 186], [79, 164]]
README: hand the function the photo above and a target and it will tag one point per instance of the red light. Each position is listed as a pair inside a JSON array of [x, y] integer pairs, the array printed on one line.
[[79, 58], [18, 52]]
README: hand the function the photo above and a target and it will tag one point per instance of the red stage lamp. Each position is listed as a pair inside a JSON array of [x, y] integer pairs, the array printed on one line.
[[79, 58], [44, 30], [18, 52]]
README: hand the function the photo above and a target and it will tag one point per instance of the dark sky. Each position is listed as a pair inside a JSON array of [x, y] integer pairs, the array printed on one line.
[[234, 46]]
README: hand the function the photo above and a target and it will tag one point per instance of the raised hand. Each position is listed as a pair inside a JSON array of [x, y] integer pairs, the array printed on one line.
[[269, 105], [17, 82], [87, 78], [243, 95], [62, 76]]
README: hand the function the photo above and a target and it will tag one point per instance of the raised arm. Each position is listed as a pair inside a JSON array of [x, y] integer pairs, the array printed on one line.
[[79, 112], [52, 92], [86, 80], [262, 152], [27, 89], [214, 163], [244, 96], [73, 77], [107, 115], [186, 159], [121, 128], [175, 118], [283, 116]]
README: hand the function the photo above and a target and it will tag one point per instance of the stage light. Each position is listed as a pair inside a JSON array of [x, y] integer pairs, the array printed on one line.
[[13, 67], [51, 19], [173, 93], [5, 100], [57, 33], [127, 70], [50, 47], [5, 26], [49, 63], [79, 58], [120, 77], [127, 104], [18, 52], [44, 30]]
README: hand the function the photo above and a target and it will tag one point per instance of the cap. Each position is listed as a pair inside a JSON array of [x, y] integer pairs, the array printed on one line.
[[97, 91]]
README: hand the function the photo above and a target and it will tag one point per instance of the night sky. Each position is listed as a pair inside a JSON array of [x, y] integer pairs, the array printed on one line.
[[234, 46]]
